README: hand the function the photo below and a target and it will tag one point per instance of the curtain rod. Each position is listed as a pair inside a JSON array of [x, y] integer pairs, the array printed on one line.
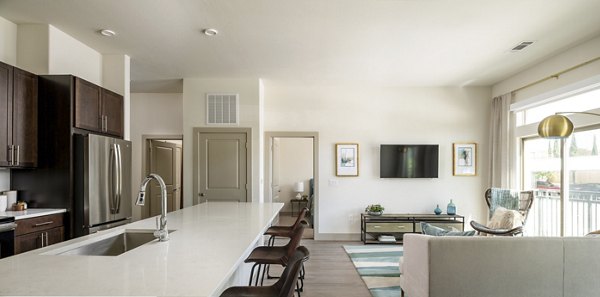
[[556, 75]]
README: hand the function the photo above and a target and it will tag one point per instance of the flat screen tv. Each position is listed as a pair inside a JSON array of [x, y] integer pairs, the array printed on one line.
[[409, 161]]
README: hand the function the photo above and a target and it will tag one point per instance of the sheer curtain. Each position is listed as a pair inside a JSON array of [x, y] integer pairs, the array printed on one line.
[[499, 142]]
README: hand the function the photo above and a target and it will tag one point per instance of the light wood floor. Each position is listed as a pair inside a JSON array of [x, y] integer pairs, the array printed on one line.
[[329, 271]]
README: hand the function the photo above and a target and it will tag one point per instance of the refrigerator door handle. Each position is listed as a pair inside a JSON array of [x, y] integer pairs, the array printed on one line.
[[111, 178], [119, 190]]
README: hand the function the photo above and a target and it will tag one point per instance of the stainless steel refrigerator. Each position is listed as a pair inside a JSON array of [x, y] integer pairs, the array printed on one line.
[[102, 183]]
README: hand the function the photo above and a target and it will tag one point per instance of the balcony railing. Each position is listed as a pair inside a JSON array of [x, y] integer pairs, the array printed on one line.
[[582, 214]]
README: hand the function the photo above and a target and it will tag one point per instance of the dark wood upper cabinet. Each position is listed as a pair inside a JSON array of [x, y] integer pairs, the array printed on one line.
[[112, 110], [5, 112], [97, 109], [87, 105], [25, 126], [18, 117]]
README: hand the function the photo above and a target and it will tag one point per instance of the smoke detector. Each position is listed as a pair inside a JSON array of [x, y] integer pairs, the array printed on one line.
[[210, 32], [107, 32]]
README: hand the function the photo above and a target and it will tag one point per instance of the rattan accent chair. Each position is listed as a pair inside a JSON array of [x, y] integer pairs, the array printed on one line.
[[524, 205]]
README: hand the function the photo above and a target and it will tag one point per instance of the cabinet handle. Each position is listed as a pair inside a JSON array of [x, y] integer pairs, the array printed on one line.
[[401, 227], [105, 123], [376, 226], [42, 235], [43, 224], [10, 154], [18, 155]]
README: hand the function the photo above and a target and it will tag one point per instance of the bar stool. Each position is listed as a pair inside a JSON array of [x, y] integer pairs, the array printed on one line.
[[284, 287], [279, 255], [285, 231]]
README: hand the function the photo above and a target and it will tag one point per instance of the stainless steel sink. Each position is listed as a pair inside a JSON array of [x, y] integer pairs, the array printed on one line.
[[115, 245]]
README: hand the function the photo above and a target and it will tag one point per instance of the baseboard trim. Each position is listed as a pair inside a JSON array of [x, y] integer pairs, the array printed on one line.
[[338, 236]]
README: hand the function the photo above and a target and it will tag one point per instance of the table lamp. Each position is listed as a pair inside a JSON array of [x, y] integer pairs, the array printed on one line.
[[299, 187]]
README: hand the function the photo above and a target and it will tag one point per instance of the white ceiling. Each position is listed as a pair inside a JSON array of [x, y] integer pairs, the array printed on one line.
[[400, 42]]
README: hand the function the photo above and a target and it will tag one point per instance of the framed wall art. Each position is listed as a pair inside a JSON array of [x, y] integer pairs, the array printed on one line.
[[346, 159], [464, 156]]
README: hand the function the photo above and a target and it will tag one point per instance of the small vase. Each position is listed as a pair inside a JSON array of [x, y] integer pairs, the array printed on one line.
[[437, 210], [375, 213], [451, 208]]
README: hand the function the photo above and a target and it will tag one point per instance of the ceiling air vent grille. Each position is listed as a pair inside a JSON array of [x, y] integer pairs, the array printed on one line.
[[222, 109], [521, 46]]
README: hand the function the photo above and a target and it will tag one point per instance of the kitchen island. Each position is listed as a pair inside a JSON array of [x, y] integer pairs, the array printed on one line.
[[204, 256]]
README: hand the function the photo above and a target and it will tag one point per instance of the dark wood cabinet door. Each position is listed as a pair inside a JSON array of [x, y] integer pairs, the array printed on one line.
[[25, 116], [87, 105], [28, 242], [112, 110], [54, 235], [5, 112]]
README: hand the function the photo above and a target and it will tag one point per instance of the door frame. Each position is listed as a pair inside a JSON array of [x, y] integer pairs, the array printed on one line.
[[196, 152], [145, 163], [268, 156]]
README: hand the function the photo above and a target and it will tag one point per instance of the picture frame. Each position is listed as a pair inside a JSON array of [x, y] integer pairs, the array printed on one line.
[[464, 159], [346, 159]]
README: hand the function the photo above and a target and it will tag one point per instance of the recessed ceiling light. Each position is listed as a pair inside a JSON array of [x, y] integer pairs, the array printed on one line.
[[210, 32], [108, 33]]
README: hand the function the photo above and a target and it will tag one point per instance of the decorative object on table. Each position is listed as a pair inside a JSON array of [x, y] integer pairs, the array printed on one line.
[[508, 212], [12, 199], [558, 125], [437, 210], [304, 197], [375, 209], [21, 205], [386, 238], [346, 159], [378, 267], [464, 159], [299, 188], [429, 229], [451, 210]]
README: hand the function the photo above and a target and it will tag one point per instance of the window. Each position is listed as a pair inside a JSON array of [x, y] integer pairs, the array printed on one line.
[[543, 163]]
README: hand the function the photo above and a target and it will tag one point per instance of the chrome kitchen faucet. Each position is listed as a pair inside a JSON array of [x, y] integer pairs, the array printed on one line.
[[161, 223]]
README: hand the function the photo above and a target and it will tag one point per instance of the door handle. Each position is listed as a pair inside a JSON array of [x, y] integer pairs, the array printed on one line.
[[201, 194], [111, 179], [119, 176]]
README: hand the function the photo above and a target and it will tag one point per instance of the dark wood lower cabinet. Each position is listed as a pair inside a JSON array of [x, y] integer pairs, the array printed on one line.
[[32, 241], [38, 232]]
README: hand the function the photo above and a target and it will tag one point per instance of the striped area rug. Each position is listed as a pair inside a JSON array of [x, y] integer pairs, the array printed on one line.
[[377, 265]]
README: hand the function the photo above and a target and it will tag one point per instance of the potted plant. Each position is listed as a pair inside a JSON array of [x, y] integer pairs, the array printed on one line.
[[374, 209]]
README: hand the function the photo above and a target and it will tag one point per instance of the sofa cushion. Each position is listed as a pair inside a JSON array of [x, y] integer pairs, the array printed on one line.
[[429, 229]]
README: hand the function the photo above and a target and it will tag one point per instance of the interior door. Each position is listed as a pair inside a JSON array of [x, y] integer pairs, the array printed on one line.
[[165, 160], [275, 188], [222, 165]]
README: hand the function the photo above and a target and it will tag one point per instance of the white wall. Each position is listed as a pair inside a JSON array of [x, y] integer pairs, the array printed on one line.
[[33, 47], [68, 55], [555, 64], [370, 116], [151, 114], [8, 41], [295, 165], [194, 115], [116, 77]]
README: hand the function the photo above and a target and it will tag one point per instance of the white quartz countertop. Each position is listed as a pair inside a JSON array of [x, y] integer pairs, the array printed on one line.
[[32, 213], [210, 241]]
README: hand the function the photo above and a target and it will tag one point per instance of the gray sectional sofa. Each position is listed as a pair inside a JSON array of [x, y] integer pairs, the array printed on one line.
[[500, 266]]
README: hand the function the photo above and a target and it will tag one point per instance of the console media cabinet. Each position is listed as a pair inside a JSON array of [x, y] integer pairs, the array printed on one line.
[[399, 224]]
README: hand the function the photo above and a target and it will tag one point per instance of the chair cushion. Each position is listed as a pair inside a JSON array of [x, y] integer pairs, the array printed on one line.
[[505, 219], [429, 229]]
